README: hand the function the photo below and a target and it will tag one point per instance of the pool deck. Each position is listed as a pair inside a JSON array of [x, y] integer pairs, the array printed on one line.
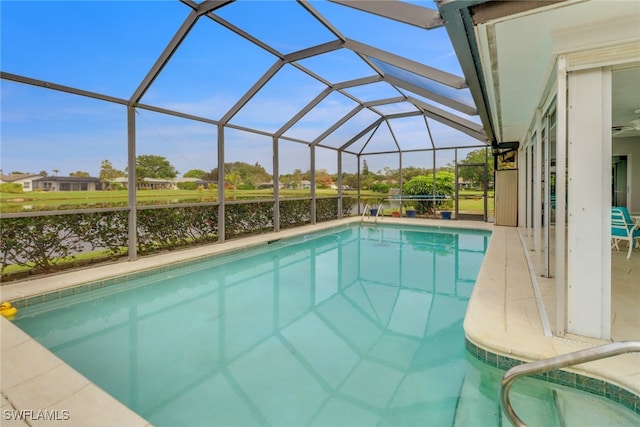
[[503, 317]]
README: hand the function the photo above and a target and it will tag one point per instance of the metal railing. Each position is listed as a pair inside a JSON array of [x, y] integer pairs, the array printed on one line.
[[367, 211], [561, 361]]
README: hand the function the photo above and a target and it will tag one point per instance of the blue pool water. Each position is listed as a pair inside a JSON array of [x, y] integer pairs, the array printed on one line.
[[360, 325]]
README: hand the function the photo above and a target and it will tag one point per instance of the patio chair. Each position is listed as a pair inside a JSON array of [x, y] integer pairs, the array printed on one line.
[[623, 228]]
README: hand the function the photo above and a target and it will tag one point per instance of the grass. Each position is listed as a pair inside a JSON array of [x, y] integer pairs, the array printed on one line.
[[13, 269], [473, 201], [470, 201], [37, 201]]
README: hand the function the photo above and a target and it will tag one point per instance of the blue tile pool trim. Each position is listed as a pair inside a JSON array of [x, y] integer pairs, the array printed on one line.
[[86, 287], [569, 379], [118, 280]]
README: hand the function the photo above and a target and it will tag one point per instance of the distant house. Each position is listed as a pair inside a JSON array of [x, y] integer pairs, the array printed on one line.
[[163, 184], [67, 183], [463, 184], [196, 182], [149, 183], [304, 185], [265, 185], [24, 179]]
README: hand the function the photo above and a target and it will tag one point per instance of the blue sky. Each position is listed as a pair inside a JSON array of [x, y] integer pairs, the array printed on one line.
[[108, 47]]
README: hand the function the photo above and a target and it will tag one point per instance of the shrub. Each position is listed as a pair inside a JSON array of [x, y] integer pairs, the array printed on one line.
[[380, 188], [423, 185], [11, 187], [187, 185], [115, 186]]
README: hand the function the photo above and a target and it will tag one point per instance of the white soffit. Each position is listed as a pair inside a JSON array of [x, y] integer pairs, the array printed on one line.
[[516, 54]]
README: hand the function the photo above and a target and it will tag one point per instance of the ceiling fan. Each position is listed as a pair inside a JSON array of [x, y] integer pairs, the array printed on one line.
[[633, 125]]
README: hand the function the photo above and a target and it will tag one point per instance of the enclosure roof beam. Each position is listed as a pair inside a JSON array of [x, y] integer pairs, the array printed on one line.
[[456, 105], [300, 114], [428, 108], [252, 91], [393, 135], [468, 127], [385, 101], [314, 50], [62, 88], [324, 94], [177, 114], [337, 124], [415, 67], [459, 24], [406, 13], [173, 45], [244, 34], [362, 133], [403, 115], [358, 82], [321, 19]]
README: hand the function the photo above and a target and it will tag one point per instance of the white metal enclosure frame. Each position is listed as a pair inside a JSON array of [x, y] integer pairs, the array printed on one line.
[[423, 91]]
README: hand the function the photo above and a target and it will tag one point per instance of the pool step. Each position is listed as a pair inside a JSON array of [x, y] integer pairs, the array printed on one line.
[[536, 402], [478, 403], [536, 406], [578, 408], [476, 407]]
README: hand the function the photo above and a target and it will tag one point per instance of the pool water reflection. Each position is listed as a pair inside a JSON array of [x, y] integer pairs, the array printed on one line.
[[361, 325]]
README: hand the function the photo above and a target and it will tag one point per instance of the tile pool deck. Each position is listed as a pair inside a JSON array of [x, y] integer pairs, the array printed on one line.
[[502, 318]]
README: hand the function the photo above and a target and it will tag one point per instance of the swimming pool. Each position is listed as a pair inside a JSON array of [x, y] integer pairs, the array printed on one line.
[[360, 325]]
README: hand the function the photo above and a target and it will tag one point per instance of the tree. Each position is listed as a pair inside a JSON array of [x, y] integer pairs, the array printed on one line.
[[475, 175], [234, 179], [365, 168], [323, 179], [55, 171], [80, 173], [108, 173], [409, 172], [249, 174], [297, 177], [43, 173], [350, 179], [194, 173], [152, 166], [422, 185]]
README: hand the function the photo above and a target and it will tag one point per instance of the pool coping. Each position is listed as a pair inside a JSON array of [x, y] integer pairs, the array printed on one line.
[[487, 336], [503, 328]]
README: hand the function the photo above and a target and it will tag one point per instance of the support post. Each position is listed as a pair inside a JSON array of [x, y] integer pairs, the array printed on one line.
[[589, 227], [561, 192], [221, 200], [131, 183], [276, 185]]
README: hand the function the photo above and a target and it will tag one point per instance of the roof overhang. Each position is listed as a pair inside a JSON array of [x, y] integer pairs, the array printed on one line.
[[508, 50]]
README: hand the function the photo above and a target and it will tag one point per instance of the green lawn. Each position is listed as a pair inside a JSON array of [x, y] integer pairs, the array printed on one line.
[[11, 202], [473, 201], [470, 201]]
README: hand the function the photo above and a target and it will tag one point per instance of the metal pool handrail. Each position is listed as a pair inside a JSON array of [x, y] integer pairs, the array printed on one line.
[[561, 361], [367, 209]]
